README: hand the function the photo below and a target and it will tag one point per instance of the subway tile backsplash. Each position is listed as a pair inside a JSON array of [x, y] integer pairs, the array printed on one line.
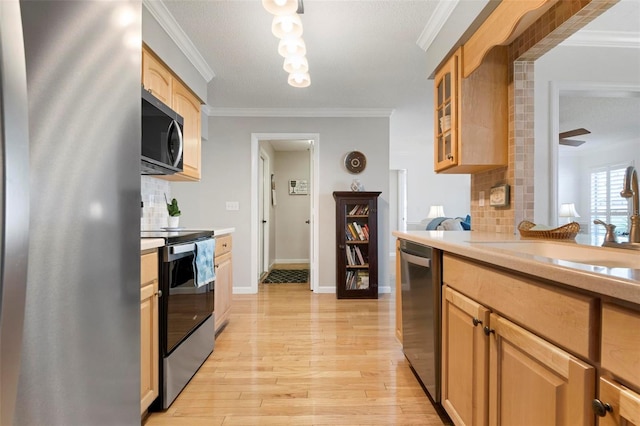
[[154, 212]]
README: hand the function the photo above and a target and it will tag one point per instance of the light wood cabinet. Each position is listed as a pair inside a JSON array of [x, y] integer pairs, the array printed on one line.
[[167, 87], [527, 377], [156, 78], [532, 382], [465, 359], [149, 350], [224, 281], [188, 106], [398, 293], [471, 114], [620, 405]]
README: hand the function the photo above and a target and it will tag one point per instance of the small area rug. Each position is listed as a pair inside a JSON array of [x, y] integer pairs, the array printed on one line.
[[277, 276]]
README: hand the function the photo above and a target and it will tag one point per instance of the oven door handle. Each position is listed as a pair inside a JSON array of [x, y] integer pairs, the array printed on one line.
[[182, 248]]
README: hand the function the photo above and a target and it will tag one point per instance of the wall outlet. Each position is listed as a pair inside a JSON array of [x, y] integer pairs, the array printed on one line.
[[233, 205], [481, 199]]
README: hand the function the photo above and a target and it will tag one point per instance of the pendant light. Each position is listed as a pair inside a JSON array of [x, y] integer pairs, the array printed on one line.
[[299, 79], [292, 46], [296, 64], [280, 7], [286, 26]]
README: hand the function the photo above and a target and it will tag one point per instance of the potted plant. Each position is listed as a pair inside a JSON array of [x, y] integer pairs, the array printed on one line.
[[174, 213]]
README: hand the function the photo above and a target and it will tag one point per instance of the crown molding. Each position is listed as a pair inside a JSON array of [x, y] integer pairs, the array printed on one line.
[[166, 20], [436, 21], [604, 39], [299, 112]]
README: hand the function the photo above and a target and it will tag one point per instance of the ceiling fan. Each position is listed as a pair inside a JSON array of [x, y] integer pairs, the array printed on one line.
[[571, 133]]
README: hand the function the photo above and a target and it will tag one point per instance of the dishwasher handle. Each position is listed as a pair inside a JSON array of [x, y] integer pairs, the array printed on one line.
[[417, 260]]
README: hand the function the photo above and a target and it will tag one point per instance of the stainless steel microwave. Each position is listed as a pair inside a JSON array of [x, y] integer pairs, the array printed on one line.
[[162, 143]]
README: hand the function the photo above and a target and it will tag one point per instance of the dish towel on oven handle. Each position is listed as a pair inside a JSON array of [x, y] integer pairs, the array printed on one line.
[[203, 262]]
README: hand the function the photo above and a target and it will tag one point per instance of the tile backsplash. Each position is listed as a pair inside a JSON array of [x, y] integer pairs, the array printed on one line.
[[555, 25], [154, 212]]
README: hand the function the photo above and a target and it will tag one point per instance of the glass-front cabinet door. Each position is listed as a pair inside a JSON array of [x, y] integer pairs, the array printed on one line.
[[446, 114]]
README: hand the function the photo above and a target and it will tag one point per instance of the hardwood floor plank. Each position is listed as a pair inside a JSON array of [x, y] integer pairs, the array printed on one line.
[[292, 357]]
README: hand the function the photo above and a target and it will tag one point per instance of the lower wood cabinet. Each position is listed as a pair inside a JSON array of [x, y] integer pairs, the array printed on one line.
[[224, 281], [496, 372], [149, 350], [465, 359], [618, 405], [532, 382]]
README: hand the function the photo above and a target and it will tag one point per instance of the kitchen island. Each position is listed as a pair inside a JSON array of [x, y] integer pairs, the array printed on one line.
[[537, 331]]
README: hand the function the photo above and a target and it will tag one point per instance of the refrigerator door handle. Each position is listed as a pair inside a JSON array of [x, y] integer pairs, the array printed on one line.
[[14, 208]]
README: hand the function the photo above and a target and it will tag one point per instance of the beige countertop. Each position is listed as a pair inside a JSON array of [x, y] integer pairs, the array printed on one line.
[[151, 243], [619, 283]]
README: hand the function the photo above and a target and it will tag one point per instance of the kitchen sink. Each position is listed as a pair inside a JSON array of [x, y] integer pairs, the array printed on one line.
[[571, 252]]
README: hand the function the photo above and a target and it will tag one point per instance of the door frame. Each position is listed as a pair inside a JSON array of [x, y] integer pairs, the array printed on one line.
[[313, 214], [264, 201]]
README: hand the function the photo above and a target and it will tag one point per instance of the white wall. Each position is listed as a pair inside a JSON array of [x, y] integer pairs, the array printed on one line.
[[292, 233], [226, 176], [571, 64], [411, 148]]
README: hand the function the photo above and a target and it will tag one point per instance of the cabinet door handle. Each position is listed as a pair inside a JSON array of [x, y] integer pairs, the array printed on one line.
[[449, 157], [600, 408], [476, 321], [488, 330]]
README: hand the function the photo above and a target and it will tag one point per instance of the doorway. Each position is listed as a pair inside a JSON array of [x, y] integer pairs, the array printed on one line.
[[273, 192]]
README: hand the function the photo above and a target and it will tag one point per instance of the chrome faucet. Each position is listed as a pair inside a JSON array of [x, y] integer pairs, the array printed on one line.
[[630, 190]]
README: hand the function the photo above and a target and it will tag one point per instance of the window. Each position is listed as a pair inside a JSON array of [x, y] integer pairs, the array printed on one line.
[[606, 202]]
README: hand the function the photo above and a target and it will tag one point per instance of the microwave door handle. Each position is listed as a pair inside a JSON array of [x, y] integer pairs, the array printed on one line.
[[179, 156]]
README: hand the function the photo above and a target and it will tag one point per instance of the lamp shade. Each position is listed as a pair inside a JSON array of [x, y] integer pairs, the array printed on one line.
[[435, 211], [568, 210], [299, 79], [296, 64], [286, 26], [280, 7], [292, 46]]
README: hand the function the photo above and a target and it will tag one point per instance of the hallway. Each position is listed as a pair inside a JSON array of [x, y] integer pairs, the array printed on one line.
[[292, 357]]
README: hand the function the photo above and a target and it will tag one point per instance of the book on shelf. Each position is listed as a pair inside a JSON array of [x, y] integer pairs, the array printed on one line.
[[362, 281], [359, 210], [359, 254], [353, 232], [358, 228]]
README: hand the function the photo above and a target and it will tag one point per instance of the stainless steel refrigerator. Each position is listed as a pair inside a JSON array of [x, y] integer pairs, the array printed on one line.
[[70, 135]]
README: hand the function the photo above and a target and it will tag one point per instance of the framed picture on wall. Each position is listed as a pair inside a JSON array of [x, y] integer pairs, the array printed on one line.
[[298, 187], [499, 196]]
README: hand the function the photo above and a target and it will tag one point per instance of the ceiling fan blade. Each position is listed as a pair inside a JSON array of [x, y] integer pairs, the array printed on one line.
[[574, 132], [571, 142]]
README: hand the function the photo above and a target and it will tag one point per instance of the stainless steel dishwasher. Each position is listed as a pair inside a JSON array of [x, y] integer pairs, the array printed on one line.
[[421, 280]]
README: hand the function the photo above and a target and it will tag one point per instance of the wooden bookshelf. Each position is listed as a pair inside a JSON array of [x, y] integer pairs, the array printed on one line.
[[356, 244]]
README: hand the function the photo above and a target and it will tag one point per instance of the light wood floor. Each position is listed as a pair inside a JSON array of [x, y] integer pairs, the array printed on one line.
[[292, 357]]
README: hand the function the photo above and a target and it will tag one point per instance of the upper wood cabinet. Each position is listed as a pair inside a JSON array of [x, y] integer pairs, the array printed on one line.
[[166, 86], [188, 106], [471, 115], [156, 78]]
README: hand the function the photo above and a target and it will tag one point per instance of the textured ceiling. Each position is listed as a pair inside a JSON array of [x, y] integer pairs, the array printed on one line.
[[362, 54]]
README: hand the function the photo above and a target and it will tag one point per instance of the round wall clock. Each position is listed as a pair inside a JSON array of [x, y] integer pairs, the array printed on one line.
[[355, 161]]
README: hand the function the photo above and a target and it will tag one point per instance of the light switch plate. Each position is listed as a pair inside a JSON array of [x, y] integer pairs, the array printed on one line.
[[233, 205], [481, 199]]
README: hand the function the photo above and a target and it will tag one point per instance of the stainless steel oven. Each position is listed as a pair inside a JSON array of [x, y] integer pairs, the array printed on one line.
[[187, 332]]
